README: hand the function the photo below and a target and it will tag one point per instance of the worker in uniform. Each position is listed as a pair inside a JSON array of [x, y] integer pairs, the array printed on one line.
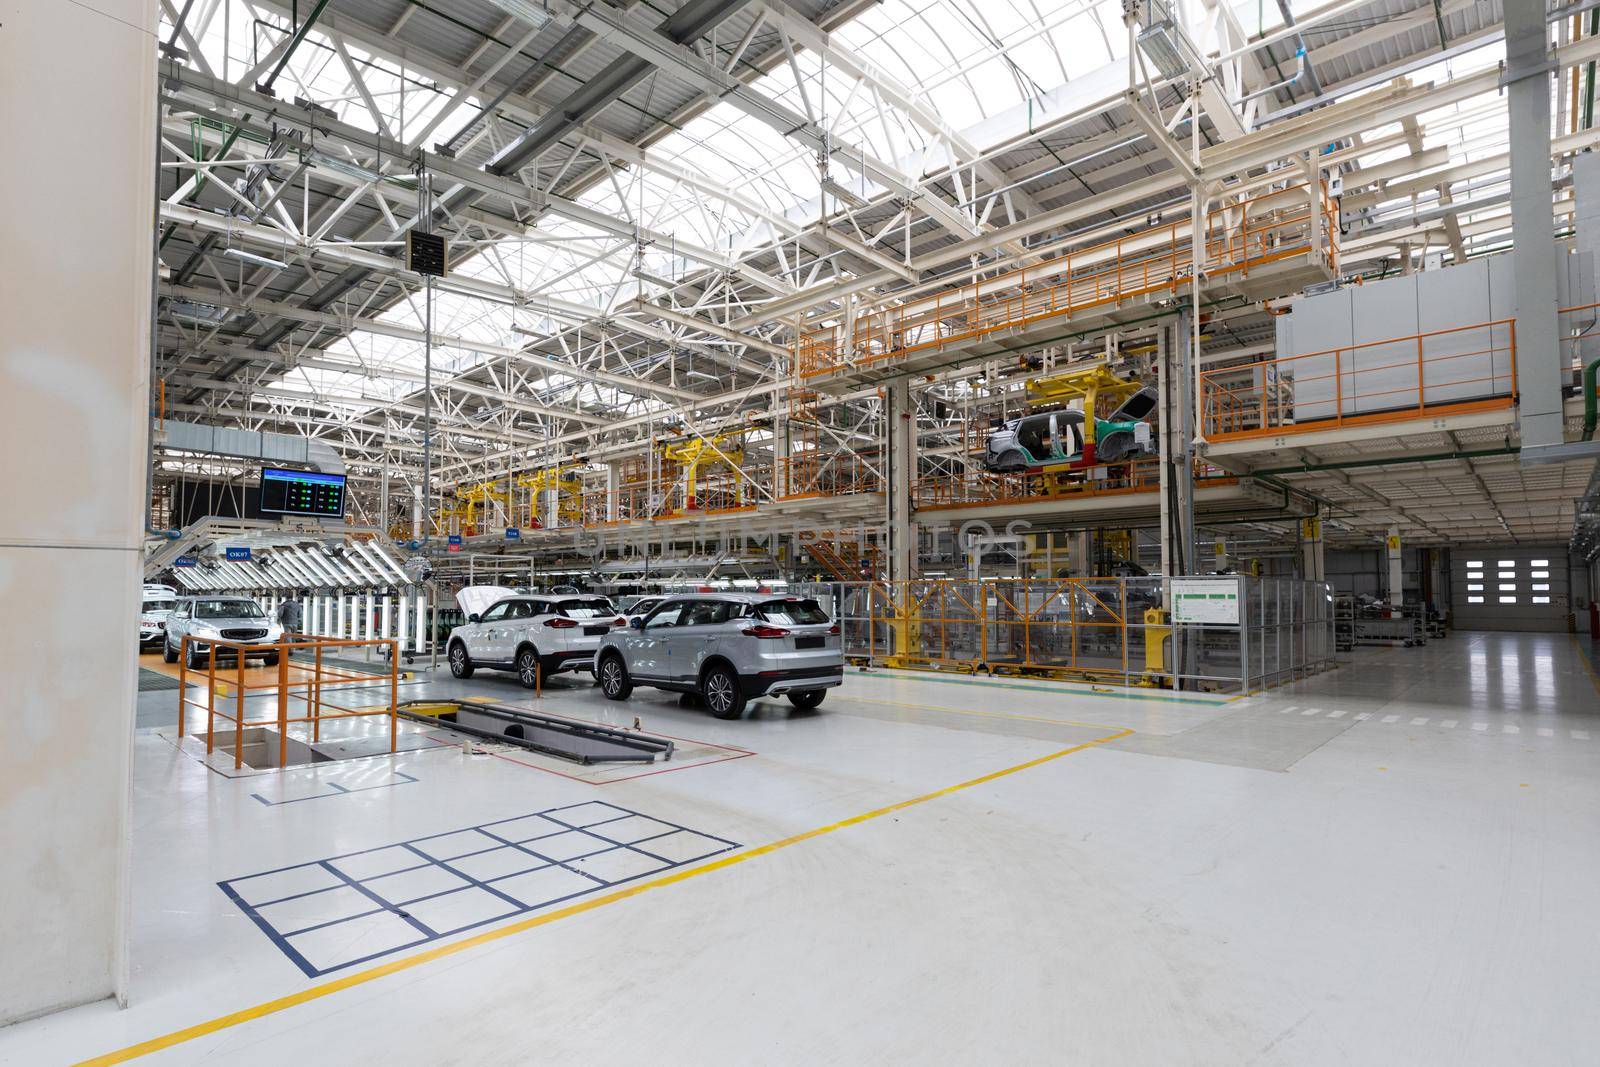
[[289, 615]]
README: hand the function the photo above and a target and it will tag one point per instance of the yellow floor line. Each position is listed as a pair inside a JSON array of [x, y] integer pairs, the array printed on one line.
[[982, 714], [1594, 679], [316, 992]]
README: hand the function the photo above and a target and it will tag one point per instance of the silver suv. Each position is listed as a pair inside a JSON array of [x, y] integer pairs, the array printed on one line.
[[726, 648], [236, 619], [522, 632]]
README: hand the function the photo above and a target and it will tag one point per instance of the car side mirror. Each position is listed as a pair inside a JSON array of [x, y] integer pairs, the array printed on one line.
[[474, 618], [637, 622]]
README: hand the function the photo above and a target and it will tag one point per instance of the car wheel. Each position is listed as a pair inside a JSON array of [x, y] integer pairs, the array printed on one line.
[[168, 653], [614, 681], [528, 668], [199, 660], [270, 659], [722, 694], [460, 665], [1113, 447], [806, 699], [1008, 462]]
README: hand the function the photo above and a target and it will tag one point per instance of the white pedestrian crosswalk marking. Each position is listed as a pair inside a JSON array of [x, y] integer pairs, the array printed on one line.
[[1391, 718], [1545, 731], [1419, 722], [1287, 710], [1480, 726], [1312, 711], [1363, 716], [1510, 729], [1337, 714], [1580, 735], [1448, 724]]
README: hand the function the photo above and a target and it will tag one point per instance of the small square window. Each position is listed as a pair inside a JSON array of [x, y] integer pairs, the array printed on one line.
[[1541, 600], [1475, 563], [1508, 563], [1474, 600], [1540, 587], [1540, 574], [1474, 574], [1508, 587], [1508, 600], [1540, 562], [1475, 588], [1508, 574]]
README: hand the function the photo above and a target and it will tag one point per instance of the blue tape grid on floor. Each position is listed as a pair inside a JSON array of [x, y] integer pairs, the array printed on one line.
[[330, 914]]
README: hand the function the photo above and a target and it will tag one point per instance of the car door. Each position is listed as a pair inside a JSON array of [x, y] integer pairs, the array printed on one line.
[[694, 638], [646, 647], [178, 624], [485, 643]]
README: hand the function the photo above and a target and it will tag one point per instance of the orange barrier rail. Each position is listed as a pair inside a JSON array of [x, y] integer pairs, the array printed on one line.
[[1154, 260], [319, 676], [975, 488], [1466, 368]]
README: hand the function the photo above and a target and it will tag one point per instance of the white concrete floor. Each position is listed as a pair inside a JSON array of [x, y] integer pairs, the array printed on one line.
[[1391, 863]]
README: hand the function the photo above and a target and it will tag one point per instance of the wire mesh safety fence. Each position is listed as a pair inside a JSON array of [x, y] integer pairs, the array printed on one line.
[[1099, 629]]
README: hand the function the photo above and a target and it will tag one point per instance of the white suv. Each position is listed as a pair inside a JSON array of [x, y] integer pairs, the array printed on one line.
[[523, 632], [155, 605]]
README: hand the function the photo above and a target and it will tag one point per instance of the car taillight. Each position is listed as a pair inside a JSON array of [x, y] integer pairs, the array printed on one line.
[[560, 624], [619, 621], [834, 629], [761, 629]]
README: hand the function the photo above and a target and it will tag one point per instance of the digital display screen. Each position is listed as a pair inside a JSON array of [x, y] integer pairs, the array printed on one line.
[[286, 492]]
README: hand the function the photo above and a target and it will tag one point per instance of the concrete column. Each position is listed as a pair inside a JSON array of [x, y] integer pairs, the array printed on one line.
[[1528, 107], [900, 455], [613, 490], [75, 301], [422, 622]]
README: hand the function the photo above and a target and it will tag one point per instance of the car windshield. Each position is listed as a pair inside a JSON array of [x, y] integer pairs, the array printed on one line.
[[586, 609], [792, 612], [227, 609], [158, 605]]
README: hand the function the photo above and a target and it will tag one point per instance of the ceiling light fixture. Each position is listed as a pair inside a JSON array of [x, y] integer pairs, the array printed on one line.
[[251, 257]]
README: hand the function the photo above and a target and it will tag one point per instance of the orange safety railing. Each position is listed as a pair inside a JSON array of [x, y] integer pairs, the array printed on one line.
[[1465, 368], [302, 682], [1238, 238], [974, 488]]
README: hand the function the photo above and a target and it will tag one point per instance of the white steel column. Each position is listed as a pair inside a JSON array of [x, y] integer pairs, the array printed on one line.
[[386, 616], [422, 621], [404, 619], [901, 438], [75, 300], [1528, 79], [1396, 570], [1313, 567]]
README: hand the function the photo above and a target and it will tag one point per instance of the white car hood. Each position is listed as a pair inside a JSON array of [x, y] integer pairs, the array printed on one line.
[[477, 599]]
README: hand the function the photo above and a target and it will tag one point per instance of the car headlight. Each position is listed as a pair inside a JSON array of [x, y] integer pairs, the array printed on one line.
[[205, 631]]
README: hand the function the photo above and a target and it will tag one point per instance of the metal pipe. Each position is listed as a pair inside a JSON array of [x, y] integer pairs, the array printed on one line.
[[1590, 402]]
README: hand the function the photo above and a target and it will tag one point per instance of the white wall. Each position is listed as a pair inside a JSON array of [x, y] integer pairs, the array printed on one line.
[[77, 119]]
